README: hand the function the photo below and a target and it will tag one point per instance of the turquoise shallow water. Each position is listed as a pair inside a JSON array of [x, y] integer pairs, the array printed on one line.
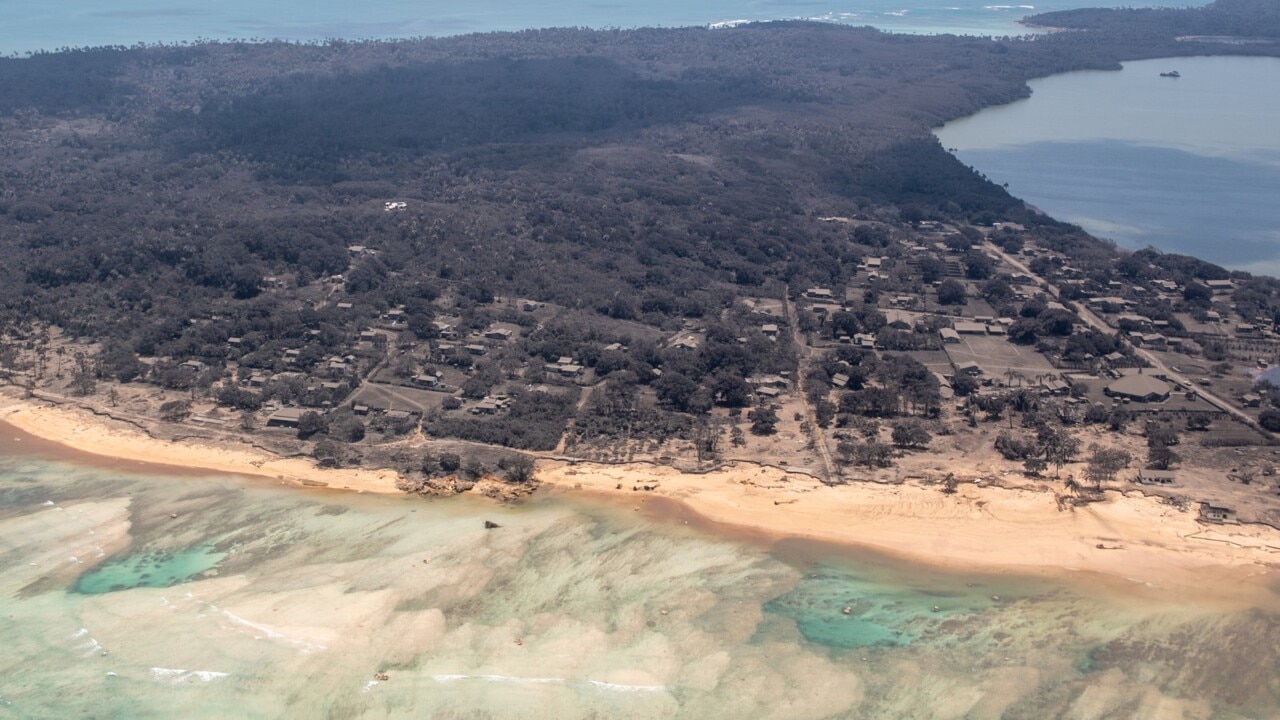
[[841, 607], [154, 569], [258, 601], [27, 26]]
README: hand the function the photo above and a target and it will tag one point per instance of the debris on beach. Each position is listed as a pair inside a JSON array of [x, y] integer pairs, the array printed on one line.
[[491, 525]]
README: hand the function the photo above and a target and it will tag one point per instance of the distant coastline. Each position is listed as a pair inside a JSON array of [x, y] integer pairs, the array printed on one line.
[[183, 21]]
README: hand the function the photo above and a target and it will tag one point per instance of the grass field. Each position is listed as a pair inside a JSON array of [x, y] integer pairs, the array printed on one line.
[[997, 356]]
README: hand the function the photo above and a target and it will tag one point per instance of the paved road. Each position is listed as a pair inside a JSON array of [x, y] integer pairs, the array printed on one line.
[[1096, 322]]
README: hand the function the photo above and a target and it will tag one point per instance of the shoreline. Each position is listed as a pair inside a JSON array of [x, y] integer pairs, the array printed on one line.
[[1129, 538], [92, 439]]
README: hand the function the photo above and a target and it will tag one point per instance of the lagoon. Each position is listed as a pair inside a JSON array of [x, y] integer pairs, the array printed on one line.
[[1188, 164]]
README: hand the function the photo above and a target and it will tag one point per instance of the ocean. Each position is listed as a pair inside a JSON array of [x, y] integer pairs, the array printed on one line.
[[133, 595], [29, 26], [1188, 164]]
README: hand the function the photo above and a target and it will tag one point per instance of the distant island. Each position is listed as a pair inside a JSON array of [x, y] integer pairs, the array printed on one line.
[[1171, 74], [457, 261]]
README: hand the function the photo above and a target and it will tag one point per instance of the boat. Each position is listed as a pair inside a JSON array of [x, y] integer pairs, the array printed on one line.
[[1171, 73]]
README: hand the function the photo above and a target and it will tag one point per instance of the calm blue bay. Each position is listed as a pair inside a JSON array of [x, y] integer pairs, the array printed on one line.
[[1188, 164], [27, 26]]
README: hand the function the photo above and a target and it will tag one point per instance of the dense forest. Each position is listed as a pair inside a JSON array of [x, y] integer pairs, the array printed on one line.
[[656, 169]]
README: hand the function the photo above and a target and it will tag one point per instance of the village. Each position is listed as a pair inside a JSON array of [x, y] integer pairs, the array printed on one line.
[[945, 341]]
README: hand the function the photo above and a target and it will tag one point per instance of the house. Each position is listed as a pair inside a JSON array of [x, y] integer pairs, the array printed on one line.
[[839, 380], [500, 334], [949, 336], [530, 306], [286, 417], [1215, 512], [373, 336], [769, 381], [1110, 304], [970, 328], [1220, 287], [1055, 386], [972, 369], [1246, 329], [820, 293], [1252, 400], [1139, 388], [257, 380], [426, 380], [235, 341], [344, 306], [474, 349], [864, 340], [770, 330], [571, 369], [1162, 478]]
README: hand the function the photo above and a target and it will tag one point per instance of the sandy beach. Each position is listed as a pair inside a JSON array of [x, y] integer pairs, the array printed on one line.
[[85, 432], [1130, 538]]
